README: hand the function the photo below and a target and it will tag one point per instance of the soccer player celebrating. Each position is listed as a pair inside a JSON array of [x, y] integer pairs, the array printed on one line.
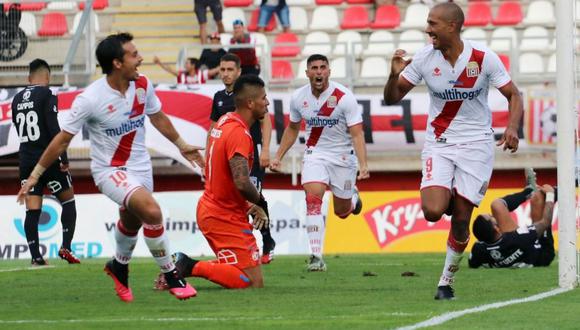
[[335, 142], [261, 131], [458, 153], [502, 244], [229, 196], [114, 109], [34, 114]]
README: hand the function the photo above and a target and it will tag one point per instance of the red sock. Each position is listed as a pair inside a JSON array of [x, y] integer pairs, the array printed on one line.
[[456, 245], [225, 275]]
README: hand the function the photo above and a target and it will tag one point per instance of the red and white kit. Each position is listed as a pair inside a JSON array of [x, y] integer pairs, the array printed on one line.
[[120, 162], [329, 156], [459, 137]]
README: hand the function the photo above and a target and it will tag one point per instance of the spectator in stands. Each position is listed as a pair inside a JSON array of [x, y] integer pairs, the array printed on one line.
[[268, 8], [250, 63], [210, 57], [193, 74], [200, 8]]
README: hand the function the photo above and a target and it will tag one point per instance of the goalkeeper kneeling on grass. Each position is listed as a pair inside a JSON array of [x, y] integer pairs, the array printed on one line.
[[229, 197], [502, 244]]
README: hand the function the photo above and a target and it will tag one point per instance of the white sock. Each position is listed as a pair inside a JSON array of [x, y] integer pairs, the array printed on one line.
[[158, 245], [125, 244], [315, 228], [452, 260]]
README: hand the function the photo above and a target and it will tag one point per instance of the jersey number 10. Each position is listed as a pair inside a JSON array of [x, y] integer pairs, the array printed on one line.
[[28, 129]]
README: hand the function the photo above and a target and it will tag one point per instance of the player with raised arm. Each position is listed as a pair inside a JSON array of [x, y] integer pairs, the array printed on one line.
[[335, 147], [502, 244], [35, 116], [113, 108], [458, 153], [230, 196]]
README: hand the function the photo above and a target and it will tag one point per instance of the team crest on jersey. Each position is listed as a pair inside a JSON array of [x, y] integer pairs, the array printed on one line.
[[436, 72], [220, 103], [140, 92], [472, 69], [495, 254], [26, 95], [305, 104], [332, 101]]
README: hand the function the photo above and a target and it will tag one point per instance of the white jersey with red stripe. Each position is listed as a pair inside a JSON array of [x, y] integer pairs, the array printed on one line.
[[327, 118], [116, 124], [459, 111]]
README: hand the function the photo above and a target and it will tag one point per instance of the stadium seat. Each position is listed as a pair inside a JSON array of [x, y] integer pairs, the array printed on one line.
[[508, 13], [32, 6], [97, 4], [374, 67], [317, 42], [237, 3], [535, 38], [475, 34], [229, 15], [28, 24], [355, 17], [328, 2], [505, 60], [324, 18], [253, 26], [298, 19], [387, 17], [552, 63], [359, 2], [303, 3], [412, 40], [540, 12], [503, 39], [302, 66], [338, 68], [77, 20], [61, 5], [282, 70], [225, 39], [286, 45], [478, 14], [348, 41], [531, 63], [261, 42], [53, 24], [380, 43], [415, 16]]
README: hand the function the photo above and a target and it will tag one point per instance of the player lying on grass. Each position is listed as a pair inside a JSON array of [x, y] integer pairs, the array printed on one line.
[[502, 244]]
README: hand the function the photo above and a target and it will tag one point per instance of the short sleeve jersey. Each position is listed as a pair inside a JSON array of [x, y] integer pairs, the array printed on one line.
[[515, 249], [228, 138], [327, 118], [459, 111], [115, 122]]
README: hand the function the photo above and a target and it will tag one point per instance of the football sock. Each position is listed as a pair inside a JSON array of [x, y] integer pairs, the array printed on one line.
[[228, 276], [314, 224], [126, 240], [514, 200], [452, 259], [266, 235], [31, 231], [158, 244], [68, 218]]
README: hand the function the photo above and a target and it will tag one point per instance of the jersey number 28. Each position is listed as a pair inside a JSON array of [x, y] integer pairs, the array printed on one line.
[[28, 129]]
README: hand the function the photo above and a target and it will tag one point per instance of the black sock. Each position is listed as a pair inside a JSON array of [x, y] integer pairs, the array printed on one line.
[[514, 200], [31, 230], [68, 218]]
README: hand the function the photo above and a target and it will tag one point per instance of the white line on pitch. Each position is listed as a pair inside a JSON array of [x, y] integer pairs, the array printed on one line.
[[25, 268], [440, 319]]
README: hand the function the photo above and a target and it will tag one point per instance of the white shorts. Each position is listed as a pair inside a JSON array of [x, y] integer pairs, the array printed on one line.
[[465, 167], [340, 179], [119, 184]]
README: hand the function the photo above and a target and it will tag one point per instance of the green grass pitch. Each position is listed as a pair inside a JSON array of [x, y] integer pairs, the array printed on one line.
[[82, 297]]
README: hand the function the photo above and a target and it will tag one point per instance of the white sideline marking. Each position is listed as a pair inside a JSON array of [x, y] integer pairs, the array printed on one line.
[[440, 319], [25, 268]]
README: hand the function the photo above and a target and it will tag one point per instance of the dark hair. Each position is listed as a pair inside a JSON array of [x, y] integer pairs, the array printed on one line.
[[316, 57], [38, 64], [483, 229], [453, 13], [194, 61], [243, 85], [111, 48], [231, 57]]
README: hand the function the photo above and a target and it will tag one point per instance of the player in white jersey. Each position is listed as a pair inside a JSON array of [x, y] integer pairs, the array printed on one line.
[[114, 109], [458, 154], [334, 147]]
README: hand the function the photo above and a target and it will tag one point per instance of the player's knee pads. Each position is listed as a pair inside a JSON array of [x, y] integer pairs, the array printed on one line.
[[313, 204]]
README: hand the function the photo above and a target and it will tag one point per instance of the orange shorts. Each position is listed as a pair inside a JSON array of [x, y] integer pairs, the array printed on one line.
[[229, 235]]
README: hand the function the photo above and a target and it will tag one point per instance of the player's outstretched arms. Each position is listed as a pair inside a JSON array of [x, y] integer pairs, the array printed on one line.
[[546, 221], [56, 147], [397, 87], [165, 67], [510, 139], [288, 138]]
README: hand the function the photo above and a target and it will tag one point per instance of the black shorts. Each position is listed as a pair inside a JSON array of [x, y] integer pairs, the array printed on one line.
[[546, 253], [200, 8], [53, 178]]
